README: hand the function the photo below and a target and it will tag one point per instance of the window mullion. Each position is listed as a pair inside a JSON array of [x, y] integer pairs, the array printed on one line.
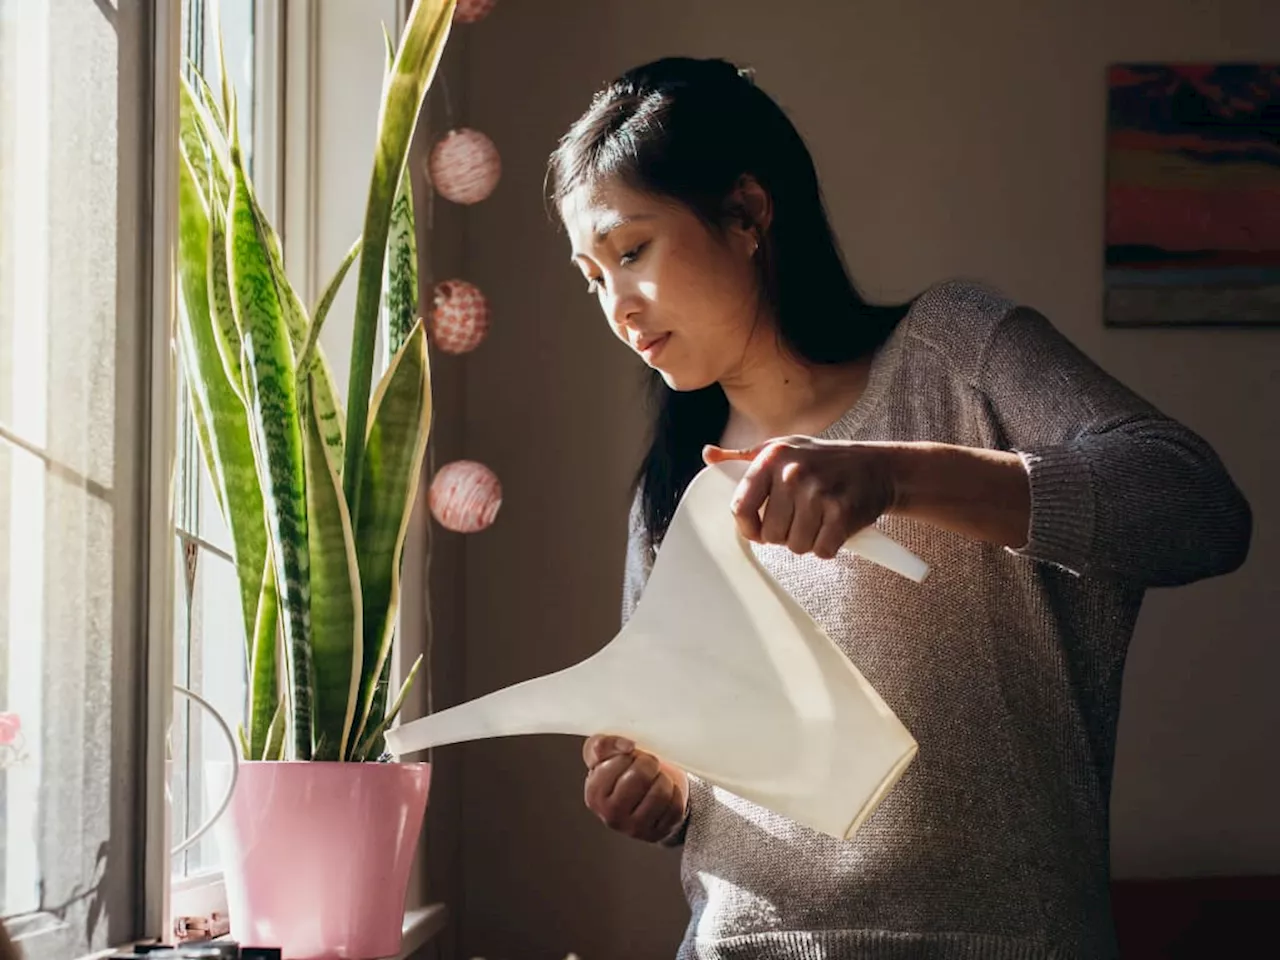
[[155, 698]]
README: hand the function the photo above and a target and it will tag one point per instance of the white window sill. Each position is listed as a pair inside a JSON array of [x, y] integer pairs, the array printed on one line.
[[204, 894]]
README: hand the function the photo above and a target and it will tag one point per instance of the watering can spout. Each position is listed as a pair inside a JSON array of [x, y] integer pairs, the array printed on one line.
[[550, 704]]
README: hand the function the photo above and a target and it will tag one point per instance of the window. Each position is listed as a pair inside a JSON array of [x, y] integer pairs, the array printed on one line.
[[76, 467], [114, 569]]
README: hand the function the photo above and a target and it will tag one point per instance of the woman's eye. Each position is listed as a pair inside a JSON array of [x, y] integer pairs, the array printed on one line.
[[632, 255]]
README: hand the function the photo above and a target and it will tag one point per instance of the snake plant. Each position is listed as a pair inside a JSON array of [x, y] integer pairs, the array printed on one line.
[[317, 499]]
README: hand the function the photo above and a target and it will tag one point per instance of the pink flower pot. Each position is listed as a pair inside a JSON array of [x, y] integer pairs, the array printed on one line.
[[317, 855]]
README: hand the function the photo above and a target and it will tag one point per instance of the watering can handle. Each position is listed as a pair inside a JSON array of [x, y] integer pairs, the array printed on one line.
[[870, 544]]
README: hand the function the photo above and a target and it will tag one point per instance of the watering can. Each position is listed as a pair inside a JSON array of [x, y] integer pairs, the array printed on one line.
[[722, 673]]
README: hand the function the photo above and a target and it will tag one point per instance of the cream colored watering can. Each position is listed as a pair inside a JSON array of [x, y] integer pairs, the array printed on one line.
[[721, 673]]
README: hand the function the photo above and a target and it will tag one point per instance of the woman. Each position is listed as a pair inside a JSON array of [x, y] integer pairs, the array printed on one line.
[[1046, 496]]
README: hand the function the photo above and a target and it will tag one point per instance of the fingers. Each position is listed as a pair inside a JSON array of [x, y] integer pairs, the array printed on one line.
[[603, 746], [653, 814], [630, 794], [714, 454], [630, 790], [753, 490], [780, 507], [806, 522], [831, 536], [601, 783]]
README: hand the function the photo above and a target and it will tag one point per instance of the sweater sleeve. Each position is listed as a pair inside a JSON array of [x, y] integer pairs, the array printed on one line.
[[1117, 489]]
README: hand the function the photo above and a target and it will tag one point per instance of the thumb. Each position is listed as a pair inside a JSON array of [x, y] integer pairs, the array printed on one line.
[[714, 454]]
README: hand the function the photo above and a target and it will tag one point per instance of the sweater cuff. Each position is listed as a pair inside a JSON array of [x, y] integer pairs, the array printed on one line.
[[1062, 508]]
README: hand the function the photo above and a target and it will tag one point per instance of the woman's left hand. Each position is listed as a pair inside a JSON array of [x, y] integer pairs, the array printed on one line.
[[815, 494]]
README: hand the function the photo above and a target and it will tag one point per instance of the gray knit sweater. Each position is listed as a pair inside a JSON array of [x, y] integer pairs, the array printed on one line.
[[1005, 665]]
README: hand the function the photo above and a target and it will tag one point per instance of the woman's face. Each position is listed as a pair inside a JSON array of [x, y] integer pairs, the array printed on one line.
[[682, 296]]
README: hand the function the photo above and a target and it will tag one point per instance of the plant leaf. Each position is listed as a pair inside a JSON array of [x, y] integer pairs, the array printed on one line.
[[397, 440], [324, 398], [210, 101], [328, 406], [226, 334], [264, 673], [371, 745], [307, 359], [228, 93], [421, 43], [336, 636], [202, 139], [391, 51], [379, 708], [400, 301], [273, 404], [275, 733], [219, 412]]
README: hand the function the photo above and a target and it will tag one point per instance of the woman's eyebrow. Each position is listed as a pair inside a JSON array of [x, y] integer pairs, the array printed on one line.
[[609, 222]]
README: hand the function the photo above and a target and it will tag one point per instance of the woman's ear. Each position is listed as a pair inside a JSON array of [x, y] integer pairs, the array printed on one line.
[[750, 211], [754, 202]]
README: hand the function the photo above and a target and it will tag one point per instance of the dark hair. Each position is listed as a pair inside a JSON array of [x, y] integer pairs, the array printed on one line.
[[689, 130]]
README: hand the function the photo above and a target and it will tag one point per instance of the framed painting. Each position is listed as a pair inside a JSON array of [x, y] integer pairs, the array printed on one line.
[[1193, 195]]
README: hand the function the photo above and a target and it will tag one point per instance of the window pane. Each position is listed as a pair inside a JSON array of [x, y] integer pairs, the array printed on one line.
[[59, 551]]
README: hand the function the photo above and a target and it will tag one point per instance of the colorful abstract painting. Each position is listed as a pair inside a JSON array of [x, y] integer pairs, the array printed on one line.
[[1193, 195]]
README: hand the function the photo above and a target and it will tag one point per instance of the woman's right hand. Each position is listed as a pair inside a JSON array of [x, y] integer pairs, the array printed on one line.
[[632, 791]]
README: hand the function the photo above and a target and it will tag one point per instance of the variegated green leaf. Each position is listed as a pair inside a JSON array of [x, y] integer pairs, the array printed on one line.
[[273, 404], [210, 102], [321, 311], [220, 415], [327, 406], [336, 639], [264, 673], [228, 92], [396, 442], [226, 333], [400, 301], [421, 44], [371, 747], [203, 142]]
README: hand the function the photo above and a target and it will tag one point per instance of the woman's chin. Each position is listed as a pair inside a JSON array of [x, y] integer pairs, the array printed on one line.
[[681, 381]]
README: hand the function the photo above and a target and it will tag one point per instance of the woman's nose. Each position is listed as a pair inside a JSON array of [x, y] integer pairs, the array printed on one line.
[[624, 307]]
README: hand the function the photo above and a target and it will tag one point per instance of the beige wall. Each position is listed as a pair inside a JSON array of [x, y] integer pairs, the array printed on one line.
[[953, 139]]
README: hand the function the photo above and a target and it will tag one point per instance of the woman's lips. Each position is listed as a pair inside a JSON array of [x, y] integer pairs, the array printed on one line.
[[649, 347]]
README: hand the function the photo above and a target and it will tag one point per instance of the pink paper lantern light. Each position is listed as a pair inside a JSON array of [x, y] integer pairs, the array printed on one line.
[[464, 166], [469, 11], [465, 496], [460, 319]]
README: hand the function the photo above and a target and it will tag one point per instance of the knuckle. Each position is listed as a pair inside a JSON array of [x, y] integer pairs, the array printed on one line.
[[772, 452]]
